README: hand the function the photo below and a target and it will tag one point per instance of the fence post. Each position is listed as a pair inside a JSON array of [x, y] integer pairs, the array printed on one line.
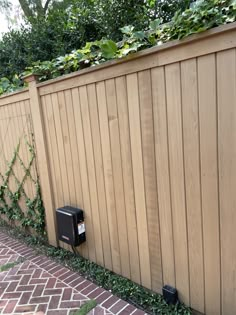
[[42, 158]]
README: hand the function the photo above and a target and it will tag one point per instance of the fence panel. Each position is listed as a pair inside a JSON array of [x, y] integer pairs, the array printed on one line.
[[146, 147]]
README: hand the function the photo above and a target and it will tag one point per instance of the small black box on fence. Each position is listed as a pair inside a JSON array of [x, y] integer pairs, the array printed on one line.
[[170, 294], [70, 225]]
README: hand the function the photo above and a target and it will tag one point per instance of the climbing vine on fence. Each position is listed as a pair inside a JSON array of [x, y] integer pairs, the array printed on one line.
[[32, 216]]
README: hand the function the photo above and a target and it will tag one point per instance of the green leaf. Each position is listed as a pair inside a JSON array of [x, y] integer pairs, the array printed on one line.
[[154, 25], [139, 35], [127, 29], [108, 49]]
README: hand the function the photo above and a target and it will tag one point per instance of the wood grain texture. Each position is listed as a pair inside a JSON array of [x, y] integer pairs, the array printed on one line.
[[163, 174], [137, 160], [189, 84], [150, 182], [175, 138], [226, 96], [108, 176], [209, 181]]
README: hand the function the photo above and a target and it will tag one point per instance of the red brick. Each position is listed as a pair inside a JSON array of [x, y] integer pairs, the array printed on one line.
[[98, 311], [78, 296], [107, 304], [89, 289], [66, 294], [3, 303], [61, 285], [71, 278], [38, 290], [37, 273], [38, 259], [83, 285], [12, 286], [38, 281], [25, 265], [25, 298], [60, 272], [13, 295], [42, 308], [96, 293], [39, 300], [13, 271], [10, 307], [118, 307], [103, 297], [12, 278], [25, 272], [51, 283], [23, 288], [52, 291], [25, 280], [70, 304], [54, 302], [55, 269], [49, 266], [25, 308], [62, 312], [128, 310], [65, 275], [4, 285], [45, 275]]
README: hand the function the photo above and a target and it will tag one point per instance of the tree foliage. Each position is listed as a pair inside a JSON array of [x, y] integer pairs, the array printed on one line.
[[201, 16], [69, 24]]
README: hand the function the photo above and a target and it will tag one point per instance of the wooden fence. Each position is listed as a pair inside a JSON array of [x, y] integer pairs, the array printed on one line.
[[147, 147]]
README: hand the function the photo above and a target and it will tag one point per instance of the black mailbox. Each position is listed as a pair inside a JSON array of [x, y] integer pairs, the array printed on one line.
[[70, 225]]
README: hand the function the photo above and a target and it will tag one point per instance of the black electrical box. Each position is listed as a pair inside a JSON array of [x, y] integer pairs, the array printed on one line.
[[170, 294], [70, 225]]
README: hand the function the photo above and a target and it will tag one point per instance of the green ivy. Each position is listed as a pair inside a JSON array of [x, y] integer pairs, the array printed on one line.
[[201, 16], [33, 216]]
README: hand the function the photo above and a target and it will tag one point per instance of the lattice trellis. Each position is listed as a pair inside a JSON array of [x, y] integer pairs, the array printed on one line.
[[16, 205]]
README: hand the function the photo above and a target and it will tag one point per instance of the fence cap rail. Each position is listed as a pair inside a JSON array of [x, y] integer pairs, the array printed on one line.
[[17, 96], [146, 52]]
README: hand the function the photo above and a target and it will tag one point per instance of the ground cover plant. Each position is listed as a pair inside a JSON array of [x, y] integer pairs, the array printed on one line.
[[85, 308], [10, 265], [133, 293], [201, 16]]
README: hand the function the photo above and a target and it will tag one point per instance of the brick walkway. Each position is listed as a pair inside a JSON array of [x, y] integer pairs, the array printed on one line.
[[40, 286]]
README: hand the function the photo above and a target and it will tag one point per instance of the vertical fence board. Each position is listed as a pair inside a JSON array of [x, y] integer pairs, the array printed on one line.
[[137, 160], [174, 113], [78, 198], [92, 99], [46, 104], [91, 174], [89, 248], [108, 175], [209, 181], [117, 176], [122, 105], [147, 130], [163, 175], [189, 83], [61, 152], [226, 85], [54, 157]]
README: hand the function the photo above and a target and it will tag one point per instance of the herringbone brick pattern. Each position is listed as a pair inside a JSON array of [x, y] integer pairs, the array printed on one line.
[[40, 286]]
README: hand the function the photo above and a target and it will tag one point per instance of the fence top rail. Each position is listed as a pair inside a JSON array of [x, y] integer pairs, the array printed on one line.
[[14, 97], [213, 40]]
